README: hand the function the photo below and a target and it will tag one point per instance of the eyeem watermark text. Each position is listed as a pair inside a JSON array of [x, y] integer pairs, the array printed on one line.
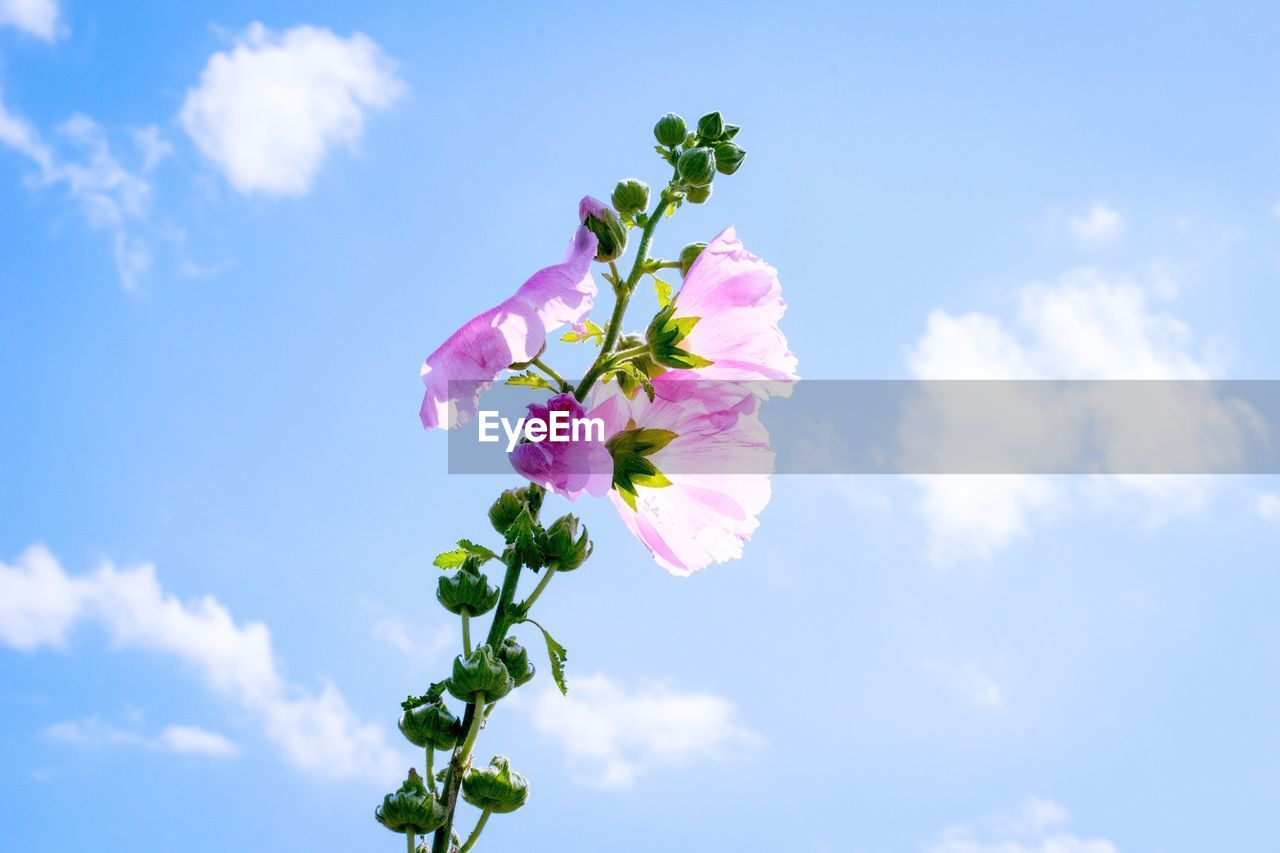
[[560, 427]]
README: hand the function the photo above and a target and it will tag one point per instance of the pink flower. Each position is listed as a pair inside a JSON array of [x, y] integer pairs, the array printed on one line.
[[512, 332], [567, 468], [689, 470], [738, 302]]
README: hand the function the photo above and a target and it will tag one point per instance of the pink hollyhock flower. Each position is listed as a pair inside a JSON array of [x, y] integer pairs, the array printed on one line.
[[737, 300], [567, 468], [689, 470], [512, 332]]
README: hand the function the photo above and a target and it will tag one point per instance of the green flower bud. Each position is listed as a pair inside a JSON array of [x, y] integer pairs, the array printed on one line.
[[710, 126], [497, 788], [482, 672], [730, 131], [516, 659], [630, 196], [526, 539], [697, 166], [688, 255], [411, 808], [644, 364], [505, 509], [431, 725], [697, 195], [669, 130], [611, 234], [467, 593], [564, 546], [729, 157]]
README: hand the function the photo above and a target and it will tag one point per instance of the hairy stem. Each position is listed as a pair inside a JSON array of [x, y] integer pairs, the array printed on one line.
[[551, 374]]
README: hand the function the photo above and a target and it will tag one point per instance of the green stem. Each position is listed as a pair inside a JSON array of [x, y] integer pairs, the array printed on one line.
[[537, 590], [669, 265], [477, 721], [475, 833], [431, 771], [409, 836], [623, 295], [466, 635], [551, 374], [624, 354]]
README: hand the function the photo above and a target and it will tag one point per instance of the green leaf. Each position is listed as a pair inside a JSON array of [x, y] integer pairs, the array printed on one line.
[[529, 379], [450, 559], [556, 653], [475, 550], [664, 291], [570, 337], [591, 332]]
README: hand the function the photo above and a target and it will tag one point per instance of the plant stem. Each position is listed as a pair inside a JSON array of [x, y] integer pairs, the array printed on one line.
[[624, 354], [409, 836], [475, 833], [623, 296], [537, 590], [551, 374], [476, 723], [466, 635], [431, 772]]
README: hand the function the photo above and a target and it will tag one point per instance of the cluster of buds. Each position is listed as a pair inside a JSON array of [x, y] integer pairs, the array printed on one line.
[[699, 154], [564, 544]]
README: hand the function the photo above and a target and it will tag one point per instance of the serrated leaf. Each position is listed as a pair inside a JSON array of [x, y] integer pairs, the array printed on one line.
[[450, 559], [558, 655], [664, 290], [571, 337], [475, 550], [529, 379]]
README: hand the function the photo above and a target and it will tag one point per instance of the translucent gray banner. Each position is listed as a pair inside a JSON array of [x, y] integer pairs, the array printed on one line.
[[1128, 427]]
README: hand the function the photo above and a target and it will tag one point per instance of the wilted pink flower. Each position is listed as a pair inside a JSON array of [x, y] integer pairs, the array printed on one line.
[[567, 468], [738, 302], [512, 332]]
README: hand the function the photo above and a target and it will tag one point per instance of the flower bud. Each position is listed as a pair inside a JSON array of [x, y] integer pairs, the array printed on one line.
[[526, 540], [481, 672], [697, 195], [729, 157], [466, 593], [697, 166], [611, 234], [688, 255], [710, 126], [730, 131], [412, 808], [431, 725], [516, 659], [669, 130], [565, 546], [497, 788], [630, 196], [505, 509]]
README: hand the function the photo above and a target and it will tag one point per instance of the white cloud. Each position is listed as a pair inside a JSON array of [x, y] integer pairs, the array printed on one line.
[[110, 196], [1099, 226], [1084, 325], [1040, 826], [92, 732], [971, 682], [611, 734], [268, 111], [415, 645], [40, 605], [37, 17], [1269, 506]]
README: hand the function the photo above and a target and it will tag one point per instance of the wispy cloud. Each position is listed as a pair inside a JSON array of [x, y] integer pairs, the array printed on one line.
[[419, 646], [268, 111], [93, 732], [110, 196], [970, 681], [612, 734], [40, 605], [1269, 506], [1099, 226], [1039, 826], [37, 17]]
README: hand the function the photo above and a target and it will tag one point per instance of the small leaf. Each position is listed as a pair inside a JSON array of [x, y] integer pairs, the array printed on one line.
[[475, 550], [450, 559], [529, 379], [570, 337], [663, 289], [556, 653]]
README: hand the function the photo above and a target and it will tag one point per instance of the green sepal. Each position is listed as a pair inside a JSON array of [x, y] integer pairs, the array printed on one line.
[[411, 808], [497, 788], [564, 546], [432, 726], [481, 672], [466, 593], [516, 659], [630, 467], [665, 332]]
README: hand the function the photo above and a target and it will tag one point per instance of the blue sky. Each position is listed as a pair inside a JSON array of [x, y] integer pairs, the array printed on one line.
[[211, 320]]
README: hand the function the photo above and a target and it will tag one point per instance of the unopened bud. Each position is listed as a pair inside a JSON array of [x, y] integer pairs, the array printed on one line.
[[505, 510], [611, 234], [729, 157], [479, 673], [698, 195], [697, 166], [669, 130], [466, 593], [630, 196], [688, 255], [516, 659], [711, 126], [412, 808], [431, 725], [565, 546], [497, 788]]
